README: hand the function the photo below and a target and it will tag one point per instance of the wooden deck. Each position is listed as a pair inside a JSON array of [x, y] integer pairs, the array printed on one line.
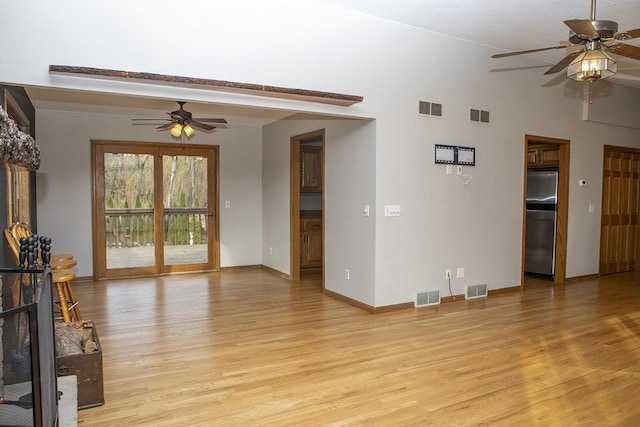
[[143, 256], [245, 347]]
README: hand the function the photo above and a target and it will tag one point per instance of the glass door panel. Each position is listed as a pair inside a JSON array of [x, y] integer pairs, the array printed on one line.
[[129, 212], [185, 217]]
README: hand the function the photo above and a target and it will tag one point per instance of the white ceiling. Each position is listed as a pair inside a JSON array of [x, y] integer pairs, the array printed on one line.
[[506, 25]]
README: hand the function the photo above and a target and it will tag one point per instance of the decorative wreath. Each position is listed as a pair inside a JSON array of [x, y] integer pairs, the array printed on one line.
[[17, 147]]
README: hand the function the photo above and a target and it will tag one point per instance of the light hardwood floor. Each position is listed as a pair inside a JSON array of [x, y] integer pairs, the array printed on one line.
[[248, 348]]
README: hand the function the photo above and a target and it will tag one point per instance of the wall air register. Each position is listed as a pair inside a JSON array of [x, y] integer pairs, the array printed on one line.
[[427, 297], [475, 291]]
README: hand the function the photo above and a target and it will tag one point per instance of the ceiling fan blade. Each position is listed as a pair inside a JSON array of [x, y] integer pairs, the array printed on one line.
[[521, 52], [627, 35], [165, 126], [223, 121], [146, 120], [583, 28], [563, 63], [627, 50], [201, 126]]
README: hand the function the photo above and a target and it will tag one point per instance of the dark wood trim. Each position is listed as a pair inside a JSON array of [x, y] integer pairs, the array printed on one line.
[[275, 272], [582, 278], [502, 291], [394, 307], [220, 85], [452, 298], [349, 301], [294, 206]]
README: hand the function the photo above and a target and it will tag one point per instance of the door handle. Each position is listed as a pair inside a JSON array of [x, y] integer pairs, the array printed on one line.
[[211, 214]]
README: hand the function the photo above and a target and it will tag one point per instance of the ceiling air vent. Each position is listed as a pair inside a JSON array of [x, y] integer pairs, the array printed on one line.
[[478, 116], [429, 109], [429, 297]]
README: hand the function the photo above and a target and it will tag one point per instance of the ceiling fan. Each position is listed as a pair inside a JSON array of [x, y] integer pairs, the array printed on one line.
[[181, 121], [598, 38]]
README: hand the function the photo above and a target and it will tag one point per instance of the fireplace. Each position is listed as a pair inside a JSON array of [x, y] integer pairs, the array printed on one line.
[[28, 389]]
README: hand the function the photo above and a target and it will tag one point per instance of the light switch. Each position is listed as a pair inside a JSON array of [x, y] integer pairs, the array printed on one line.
[[366, 210], [392, 210]]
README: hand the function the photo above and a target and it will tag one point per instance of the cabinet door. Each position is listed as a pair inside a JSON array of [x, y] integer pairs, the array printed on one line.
[[549, 156], [311, 169], [532, 156], [314, 249]]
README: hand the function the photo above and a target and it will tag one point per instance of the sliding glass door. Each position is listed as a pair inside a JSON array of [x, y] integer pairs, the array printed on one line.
[[154, 208]]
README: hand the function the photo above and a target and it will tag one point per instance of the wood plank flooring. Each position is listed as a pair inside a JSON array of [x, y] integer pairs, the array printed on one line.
[[246, 347]]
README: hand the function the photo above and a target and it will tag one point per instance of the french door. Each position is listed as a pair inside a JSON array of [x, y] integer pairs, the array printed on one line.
[[154, 208]]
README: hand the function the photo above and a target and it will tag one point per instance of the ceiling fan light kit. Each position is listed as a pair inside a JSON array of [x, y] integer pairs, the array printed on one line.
[[181, 122], [592, 65]]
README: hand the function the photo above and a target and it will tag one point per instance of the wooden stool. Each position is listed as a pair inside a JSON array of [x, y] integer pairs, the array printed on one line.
[[62, 281], [60, 257], [63, 264]]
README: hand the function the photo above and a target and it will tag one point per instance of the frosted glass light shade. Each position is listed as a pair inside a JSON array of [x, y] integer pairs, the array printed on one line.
[[188, 130], [176, 130], [592, 65]]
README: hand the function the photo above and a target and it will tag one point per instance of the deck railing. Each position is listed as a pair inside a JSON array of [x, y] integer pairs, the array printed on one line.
[[135, 227]]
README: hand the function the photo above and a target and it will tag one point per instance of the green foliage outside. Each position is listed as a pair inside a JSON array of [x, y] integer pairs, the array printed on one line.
[[129, 182]]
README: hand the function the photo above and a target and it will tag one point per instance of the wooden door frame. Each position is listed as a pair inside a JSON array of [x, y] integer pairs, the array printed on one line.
[[100, 270], [294, 187], [563, 205]]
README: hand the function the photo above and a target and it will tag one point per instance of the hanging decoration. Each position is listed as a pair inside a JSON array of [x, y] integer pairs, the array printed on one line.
[[16, 147]]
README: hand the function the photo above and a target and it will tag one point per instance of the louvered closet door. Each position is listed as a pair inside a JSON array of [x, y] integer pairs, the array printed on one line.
[[619, 233]]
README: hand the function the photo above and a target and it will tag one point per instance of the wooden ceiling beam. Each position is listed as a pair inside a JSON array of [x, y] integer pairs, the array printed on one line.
[[220, 85]]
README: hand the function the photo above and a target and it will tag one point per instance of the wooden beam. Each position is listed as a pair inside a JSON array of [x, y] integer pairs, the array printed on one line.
[[219, 85]]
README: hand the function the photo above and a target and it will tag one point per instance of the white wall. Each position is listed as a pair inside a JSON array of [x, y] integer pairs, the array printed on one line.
[[64, 182], [349, 184], [444, 224]]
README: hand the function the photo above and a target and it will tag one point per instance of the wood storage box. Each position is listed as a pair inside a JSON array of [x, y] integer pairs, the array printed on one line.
[[88, 368]]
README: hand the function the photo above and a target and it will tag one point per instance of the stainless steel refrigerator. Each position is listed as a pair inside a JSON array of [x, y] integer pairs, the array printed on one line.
[[542, 214]]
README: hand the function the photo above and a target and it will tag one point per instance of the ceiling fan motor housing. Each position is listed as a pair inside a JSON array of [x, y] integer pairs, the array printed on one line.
[[605, 29]]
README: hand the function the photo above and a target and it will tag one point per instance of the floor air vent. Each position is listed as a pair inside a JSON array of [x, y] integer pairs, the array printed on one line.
[[475, 291], [424, 298]]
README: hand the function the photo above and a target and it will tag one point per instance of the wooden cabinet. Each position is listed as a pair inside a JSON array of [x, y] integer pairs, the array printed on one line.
[[310, 169], [543, 156], [310, 242]]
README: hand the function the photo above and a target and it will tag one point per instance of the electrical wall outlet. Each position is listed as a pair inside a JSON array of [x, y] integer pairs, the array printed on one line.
[[270, 250], [447, 274], [346, 274]]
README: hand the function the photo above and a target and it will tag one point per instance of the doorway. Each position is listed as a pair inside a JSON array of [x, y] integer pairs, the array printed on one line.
[[620, 210], [543, 153], [307, 204], [154, 208]]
